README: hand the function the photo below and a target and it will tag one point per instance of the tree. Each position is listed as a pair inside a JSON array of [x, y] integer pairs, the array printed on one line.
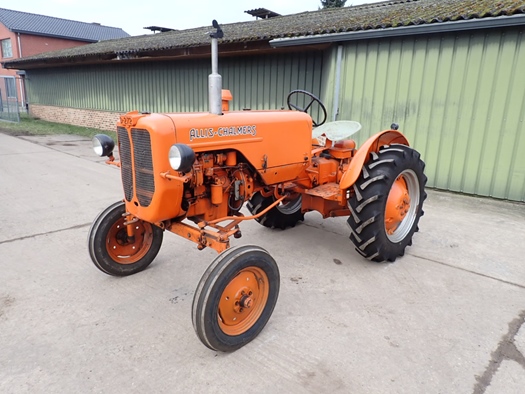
[[333, 3]]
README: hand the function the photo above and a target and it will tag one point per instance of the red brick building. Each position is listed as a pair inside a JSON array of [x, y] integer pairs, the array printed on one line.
[[23, 34]]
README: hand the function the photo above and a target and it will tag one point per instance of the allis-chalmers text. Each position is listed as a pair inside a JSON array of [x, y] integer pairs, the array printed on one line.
[[223, 132]]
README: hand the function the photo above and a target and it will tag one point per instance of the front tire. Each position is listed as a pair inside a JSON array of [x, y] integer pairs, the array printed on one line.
[[282, 216], [387, 203], [235, 298], [113, 252]]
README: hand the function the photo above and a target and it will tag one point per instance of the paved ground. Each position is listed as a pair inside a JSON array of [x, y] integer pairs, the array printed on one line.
[[448, 317]]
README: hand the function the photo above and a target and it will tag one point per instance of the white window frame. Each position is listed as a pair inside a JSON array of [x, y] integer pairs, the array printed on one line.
[[7, 48]]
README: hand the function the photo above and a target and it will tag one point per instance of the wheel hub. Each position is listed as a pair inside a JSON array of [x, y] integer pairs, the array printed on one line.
[[122, 237], [125, 249], [242, 301], [397, 206], [246, 301]]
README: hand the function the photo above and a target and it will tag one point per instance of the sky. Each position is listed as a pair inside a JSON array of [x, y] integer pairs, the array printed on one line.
[[133, 15]]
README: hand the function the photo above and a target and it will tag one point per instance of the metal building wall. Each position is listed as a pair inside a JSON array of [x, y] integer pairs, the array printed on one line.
[[460, 99], [256, 82]]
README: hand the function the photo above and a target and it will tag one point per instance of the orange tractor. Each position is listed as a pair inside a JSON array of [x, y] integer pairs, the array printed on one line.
[[191, 173]]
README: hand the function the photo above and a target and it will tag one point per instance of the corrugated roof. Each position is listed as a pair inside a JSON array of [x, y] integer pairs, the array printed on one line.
[[24, 22], [387, 14]]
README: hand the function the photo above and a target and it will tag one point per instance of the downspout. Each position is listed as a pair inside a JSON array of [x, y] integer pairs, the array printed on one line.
[[337, 89], [19, 45], [21, 81]]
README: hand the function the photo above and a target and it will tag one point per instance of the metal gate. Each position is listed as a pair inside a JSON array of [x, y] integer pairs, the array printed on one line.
[[9, 106]]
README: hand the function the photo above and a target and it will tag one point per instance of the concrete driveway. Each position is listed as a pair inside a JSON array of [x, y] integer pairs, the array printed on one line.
[[446, 318]]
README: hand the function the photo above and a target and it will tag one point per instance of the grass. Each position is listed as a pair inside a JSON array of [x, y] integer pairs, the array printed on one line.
[[35, 126]]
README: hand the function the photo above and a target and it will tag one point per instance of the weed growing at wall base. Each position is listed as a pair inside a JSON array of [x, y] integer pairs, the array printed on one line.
[[34, 126]]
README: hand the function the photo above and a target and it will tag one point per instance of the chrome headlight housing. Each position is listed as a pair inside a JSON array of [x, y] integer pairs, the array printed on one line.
[[181, 157], [103, 145]]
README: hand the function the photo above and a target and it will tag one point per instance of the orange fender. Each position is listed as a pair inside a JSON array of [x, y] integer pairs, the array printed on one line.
[[372, 144]]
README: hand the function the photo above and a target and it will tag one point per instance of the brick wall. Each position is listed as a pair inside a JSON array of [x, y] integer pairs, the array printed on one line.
[[33, 45], [27, 45], [103, 120], [5, 33]]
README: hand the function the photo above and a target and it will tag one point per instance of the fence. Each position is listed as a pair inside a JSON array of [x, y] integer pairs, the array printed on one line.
[[9, 106]]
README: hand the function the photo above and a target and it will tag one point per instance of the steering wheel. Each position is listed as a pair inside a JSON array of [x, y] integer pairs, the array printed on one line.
[[313, 99]]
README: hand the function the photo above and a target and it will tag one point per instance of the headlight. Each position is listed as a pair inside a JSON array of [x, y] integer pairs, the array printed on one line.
[[103, 145], [181, 157]]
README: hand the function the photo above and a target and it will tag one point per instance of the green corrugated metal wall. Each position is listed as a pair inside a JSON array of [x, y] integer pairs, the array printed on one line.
[[257, 82], [460, 99]]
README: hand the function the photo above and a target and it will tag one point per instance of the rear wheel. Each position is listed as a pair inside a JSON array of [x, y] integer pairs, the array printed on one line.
[[284, 215], [113, 252], [387, 203], [235, 298]]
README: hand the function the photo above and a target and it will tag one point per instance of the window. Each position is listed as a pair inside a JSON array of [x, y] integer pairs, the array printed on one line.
[[10, 87], [7, 50]]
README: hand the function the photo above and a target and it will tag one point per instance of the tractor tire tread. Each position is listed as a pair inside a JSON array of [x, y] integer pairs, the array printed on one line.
[[368, 202]]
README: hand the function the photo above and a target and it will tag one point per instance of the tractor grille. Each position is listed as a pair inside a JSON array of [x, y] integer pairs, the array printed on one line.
[[124, 149], [143, 166], [140, 168]]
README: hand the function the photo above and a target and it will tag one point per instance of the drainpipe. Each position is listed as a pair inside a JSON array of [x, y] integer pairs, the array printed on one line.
[[20, 80], [337, 89]]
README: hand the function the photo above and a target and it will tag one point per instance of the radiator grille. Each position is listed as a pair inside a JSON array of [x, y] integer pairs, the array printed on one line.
[[143, 166], [124, 149]]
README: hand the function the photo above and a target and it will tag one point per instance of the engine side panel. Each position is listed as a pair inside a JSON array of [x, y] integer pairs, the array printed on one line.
[[276, 143]]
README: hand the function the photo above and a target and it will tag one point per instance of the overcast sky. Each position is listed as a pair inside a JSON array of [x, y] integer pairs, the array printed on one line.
[[133, 15]]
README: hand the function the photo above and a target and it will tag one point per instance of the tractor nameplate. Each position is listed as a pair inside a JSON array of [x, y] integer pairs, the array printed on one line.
[[231, 131]]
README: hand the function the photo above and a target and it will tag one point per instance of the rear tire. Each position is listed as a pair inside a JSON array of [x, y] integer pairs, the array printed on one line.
[[387, 203], [112, 252], [235, 298], [282, 216]]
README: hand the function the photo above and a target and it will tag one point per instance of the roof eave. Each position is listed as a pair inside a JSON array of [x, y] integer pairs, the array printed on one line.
[[230, 49], [108, 57], [442, 27], [70, 38]]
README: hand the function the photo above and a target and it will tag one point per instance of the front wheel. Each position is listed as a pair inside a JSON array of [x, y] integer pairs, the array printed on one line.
[[113, 252], [387, 202], [235, 298]]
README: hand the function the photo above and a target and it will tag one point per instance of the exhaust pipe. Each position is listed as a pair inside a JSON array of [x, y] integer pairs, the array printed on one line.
[[215, 79]]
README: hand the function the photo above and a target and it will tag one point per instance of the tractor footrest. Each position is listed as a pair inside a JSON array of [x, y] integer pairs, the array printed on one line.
[[328, 191]]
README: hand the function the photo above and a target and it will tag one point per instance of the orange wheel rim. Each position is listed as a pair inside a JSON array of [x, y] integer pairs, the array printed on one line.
[[243, 300], [397, 205], [124, 251], [402, 206]]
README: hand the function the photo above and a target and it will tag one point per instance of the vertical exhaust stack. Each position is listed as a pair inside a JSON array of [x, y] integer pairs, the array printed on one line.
[[215, 79]]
